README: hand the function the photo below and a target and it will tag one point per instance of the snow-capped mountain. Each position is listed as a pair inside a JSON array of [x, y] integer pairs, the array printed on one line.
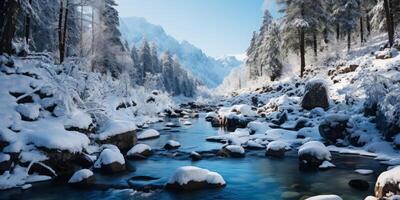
[[207, 69]]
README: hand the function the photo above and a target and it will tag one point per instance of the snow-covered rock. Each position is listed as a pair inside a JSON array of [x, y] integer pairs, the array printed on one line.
[[194, 178], [312, 154], [195, 156], [139, 151], [29, 111], [244, 110], [171, 145], [187, 123], [388, 183], [326, 165], [325, 197], [277, 148], [121, 133], [148, 134], [82, 178], [364, 171], [210, 116], [235, 151], [333, 127], [110, 161], [315, 95]]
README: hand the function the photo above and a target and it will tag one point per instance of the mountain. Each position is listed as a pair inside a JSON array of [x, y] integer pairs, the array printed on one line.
[[208, 70]]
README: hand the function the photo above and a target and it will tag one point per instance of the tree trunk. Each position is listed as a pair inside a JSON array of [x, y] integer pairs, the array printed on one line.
[[302, 52], [368, 24], [337, 31], [9, 10], [60, 31], [315, 44], [81, 36], [361, 30], [348, 41], [28, 26], [65, 28], [389, 22]]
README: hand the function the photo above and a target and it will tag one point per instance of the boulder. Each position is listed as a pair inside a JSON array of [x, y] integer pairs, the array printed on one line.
[[191, 178], [172, 145], [110, 161], [277, 149], [333, 127], [195, 156], [82, 179], [315, 95], [359, 184], [139, 152], [215, 122], [148, 134], [234, 151], [123, 141], [5, 162], [388, 183], [312, 154]]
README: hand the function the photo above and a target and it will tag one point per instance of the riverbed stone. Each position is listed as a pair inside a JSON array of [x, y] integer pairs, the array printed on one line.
[[359, 184], [123, 141], [315, 95], [333, 127]]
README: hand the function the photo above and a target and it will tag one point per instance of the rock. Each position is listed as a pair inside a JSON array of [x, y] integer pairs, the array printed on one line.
[[385, 54], [149, 134], [359, 184], [145, 183], [315, 95], [82, 179], [172, 145], [40, 169], [216, 122], [139, 152], [233, 122], [234, 151], [123, 141], [110, 161], [5, 162], [333, 127], [281, 118], [388, 183], [172, 125], [195, 156], [312, 154], [277, 149], [191, 178]]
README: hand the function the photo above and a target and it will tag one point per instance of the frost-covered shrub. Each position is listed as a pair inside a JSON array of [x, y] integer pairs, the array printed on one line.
[[390, 107], [376, 87]]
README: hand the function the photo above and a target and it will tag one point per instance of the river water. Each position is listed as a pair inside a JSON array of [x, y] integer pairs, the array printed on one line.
[[255, 176]]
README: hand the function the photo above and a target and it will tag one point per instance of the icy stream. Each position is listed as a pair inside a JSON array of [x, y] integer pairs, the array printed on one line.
[[255, 176]]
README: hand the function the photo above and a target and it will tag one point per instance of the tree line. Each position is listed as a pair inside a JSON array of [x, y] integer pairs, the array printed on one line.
[[308, 23]]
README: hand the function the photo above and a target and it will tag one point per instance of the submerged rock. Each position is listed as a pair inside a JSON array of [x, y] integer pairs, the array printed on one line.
[[359, 184], [315, 95]]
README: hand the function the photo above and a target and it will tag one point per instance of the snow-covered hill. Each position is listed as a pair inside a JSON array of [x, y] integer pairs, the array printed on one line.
[[209, 70]]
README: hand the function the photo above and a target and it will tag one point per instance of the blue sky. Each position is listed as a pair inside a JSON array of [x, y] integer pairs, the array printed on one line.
[[219, 27]]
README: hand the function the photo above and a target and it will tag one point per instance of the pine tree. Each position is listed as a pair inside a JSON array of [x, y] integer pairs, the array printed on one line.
[[273, 58], [9, 10], [146, 58]]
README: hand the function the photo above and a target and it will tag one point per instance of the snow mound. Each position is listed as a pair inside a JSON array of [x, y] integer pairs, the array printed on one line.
[[29, 110], [148, 134], [325, 197], [109, 156], [326, 165], [78, 119], [184, 175], [244, 110], [138, 149], [316, 149], [80, 176]]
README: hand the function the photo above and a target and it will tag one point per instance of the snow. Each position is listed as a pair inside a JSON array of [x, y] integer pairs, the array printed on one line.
[[235, 149], [187, 123], [326, 164], [115, 127], [390, 176], [78, 119], [316, 149], [139, 148], [4, 157], [109, 156], [29, 110], [26, 186], [184, 175], [364, 171], [150, 133], [211, 115], [278, 145], [325, 197], [244, 110], [80, 176]]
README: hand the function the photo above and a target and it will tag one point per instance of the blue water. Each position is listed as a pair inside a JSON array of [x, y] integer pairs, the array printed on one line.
[[255, 177]]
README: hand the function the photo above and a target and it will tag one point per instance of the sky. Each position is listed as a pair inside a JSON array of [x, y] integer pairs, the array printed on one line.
[[218, 27]]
